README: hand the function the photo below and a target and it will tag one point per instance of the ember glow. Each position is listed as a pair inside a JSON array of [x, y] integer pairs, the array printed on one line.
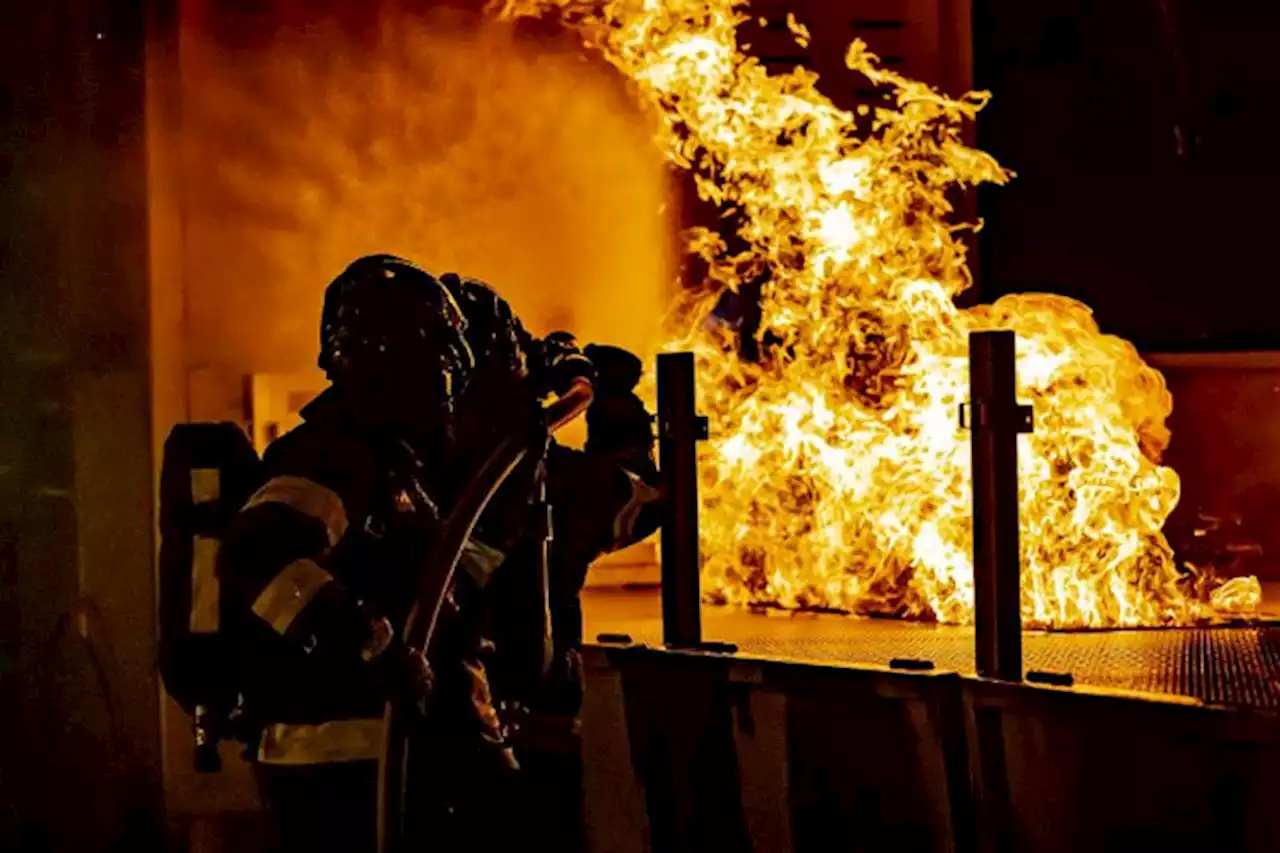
[[837, 475]]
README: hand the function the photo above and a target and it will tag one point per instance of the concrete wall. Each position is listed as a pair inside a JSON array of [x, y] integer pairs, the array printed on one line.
[[80, 733]]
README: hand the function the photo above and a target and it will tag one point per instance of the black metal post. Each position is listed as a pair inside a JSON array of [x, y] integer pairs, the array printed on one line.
[[679, 430], [995, 419]]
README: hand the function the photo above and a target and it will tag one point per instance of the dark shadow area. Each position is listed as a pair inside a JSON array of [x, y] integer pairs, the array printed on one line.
[[1137, 131]]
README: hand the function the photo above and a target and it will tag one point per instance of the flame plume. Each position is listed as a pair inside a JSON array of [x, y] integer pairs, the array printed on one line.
[[838, 476]]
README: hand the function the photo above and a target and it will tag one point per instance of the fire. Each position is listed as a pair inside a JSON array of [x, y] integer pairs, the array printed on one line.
[[838, 475]]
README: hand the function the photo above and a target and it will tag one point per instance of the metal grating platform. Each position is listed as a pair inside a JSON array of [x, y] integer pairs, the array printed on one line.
[[1238, 666], [1227, 666]]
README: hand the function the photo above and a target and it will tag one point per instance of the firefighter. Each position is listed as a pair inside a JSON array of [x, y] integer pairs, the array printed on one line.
[[455, 791], [601, 499], [321, 564]]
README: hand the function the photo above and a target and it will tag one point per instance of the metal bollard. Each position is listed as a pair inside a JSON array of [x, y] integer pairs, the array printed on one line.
[[995, 419], [680, 429]]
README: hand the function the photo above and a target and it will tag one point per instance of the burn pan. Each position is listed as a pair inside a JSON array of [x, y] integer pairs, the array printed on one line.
[[1232, 665]]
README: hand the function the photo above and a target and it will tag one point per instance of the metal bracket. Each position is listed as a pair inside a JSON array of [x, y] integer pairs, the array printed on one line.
[[701, 429], [1056, 679], [1026, 422], [1024, 417]]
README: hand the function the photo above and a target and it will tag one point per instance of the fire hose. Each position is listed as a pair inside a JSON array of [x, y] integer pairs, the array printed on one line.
[[419, 627]]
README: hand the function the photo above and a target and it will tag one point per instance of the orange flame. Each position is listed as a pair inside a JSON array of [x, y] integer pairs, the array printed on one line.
[[838, 476]]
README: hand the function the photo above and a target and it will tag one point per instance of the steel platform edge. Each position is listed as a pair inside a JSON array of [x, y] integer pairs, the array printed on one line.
[[720, 750]]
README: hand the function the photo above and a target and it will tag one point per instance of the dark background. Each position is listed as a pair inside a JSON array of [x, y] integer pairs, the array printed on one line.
[[1143, 133], [80, 755]]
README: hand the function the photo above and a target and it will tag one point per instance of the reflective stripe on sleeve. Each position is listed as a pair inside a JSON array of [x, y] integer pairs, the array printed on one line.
[[289, 593], [307, 497], [321, 743], [624, 523], [203, 618]]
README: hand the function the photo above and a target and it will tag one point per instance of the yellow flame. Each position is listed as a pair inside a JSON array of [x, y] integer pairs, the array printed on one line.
[[838, 476]]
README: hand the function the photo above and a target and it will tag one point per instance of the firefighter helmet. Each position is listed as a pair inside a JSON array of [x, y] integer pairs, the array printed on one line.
[[504, 348], [496, 336], [389, 325]]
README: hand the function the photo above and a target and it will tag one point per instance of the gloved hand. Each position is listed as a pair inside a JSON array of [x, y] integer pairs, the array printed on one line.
[[617, 370], [381, 636], [618, 424], [404, 673]]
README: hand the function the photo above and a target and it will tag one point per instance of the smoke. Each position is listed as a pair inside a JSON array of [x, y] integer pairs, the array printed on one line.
[[444, 140]]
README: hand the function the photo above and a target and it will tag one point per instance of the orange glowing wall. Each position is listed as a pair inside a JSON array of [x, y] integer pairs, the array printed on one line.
[[309, 138]]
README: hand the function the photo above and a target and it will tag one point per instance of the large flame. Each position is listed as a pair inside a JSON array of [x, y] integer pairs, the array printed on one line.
[[838, 476]]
